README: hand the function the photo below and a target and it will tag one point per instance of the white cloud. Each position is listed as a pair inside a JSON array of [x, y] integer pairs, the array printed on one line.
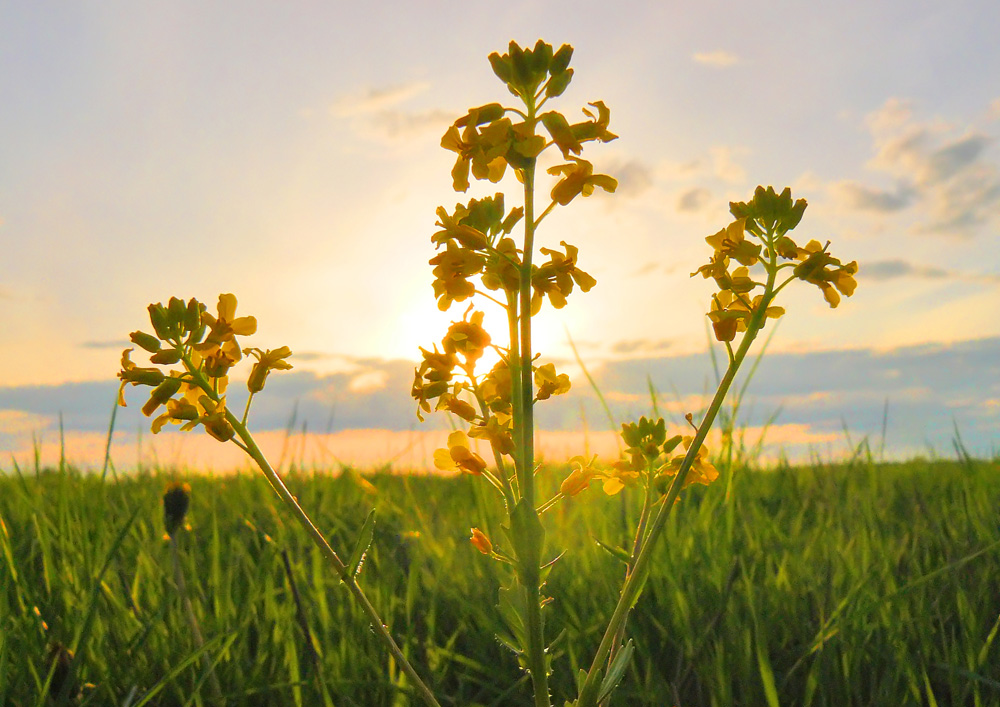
[[718, 58], [862, 198], [725, 165], [994, 110], [376, 113], [373, 100], [368, 382], [943, 172]]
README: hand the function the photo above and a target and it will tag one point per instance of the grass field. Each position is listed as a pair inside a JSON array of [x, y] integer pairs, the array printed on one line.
[[858, 584]]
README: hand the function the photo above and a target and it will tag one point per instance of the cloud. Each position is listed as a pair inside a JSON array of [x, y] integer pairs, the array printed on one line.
[[634, 177], [648, 268], [944, 173], [857, 196], [721, 162], [892, 269], [725, 165], [376, 100], [399, 125], [636, 345], [375, 113], [106, 344], [313, 355], [718, 58], [929, 389], [693, 199], [882, 270]]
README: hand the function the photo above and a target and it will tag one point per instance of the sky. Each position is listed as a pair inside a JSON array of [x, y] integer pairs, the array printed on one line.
[[290, 155]]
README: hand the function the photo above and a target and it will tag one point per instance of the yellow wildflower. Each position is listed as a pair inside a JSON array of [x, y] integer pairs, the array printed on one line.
[[578, 178], [549, 383], [458, 456], [267, 361]]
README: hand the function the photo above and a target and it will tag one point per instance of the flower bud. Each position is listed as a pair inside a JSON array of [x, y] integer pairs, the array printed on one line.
[[481, 542], [176, 500], [161, 394], [145, 341], [158, 318], [192, 317], [167, 357]]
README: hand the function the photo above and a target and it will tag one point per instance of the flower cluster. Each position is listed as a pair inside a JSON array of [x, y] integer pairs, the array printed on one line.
[[767, 219], [478, 255], [648, 457], [555, 279], [205, 347], [448, 379]]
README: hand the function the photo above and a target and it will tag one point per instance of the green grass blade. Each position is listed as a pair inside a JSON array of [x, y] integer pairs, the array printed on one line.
[[183, 665], [80, 641]]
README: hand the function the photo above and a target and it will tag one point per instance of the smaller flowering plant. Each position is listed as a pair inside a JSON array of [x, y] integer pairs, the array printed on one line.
[[192, 352], [204, 348]]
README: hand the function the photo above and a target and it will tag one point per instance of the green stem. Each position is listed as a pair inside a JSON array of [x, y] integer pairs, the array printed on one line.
[[524, 394], [514, 366], [637, 545], [378, 627]]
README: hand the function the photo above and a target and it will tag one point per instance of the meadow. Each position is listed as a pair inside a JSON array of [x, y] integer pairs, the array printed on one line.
[[860, 583]]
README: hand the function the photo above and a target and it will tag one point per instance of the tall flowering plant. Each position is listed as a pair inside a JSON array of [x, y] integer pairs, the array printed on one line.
[[490, 254]]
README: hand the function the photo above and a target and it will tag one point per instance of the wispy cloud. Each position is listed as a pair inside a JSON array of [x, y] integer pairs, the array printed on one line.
[[375, 100], [634, 176], [695, 199], [941, 171], [719, 58], [645, 346], [994, 110], [892, 269], [882, 270], [105, 344], [376, 113], [857, 196]]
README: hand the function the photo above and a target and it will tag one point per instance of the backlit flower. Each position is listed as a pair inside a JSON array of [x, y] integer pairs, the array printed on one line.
[[578, 178], [267, 361], [459, 456], [550, 383], [467, 338]]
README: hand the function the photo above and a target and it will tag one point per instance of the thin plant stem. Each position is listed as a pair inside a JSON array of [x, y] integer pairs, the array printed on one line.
[[378, 627], [192, 620]]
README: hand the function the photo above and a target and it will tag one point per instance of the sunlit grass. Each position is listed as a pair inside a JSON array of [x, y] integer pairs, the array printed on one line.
[[847, 585]]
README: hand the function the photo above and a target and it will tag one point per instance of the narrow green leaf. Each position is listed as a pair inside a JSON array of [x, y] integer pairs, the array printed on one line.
[[362, 545], [766, 673], [616, 671], [616, 552]]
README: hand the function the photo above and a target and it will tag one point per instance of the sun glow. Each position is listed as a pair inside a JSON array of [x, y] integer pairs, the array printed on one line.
[[424, 325]]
